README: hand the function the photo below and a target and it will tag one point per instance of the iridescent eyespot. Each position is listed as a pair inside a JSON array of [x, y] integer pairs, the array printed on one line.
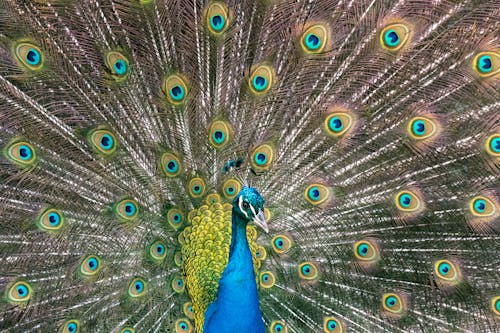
[[217, 15], [175, 89], [231, 188], [308, 271], [50, 220], [315, 38], [393, 37], [197, 187], [29, 55], [219, 133], [188, 310], [278, 326], [262, 158], [492, 145], [486, 64], [407, 201], [90, 265], [338, 123], [127, 330], [178, 284], [261, 253], [366, 250], [117, 64], [281, 244], [21, 153], [317, 194], [19, 293], [127, 209], [137, 287], [158, 250], [175, 217], [71, 326], [103, 141], [171, 164], [495, 305], [178, 259], [447, 272], [261, 79], [393, 303], [183, 326], [266, 279], [482, 206], [421, 128], [212, 199], [332, 325]]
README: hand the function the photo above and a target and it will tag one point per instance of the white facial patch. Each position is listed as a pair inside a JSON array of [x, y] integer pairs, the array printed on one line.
[[253, 210], [240, 204]]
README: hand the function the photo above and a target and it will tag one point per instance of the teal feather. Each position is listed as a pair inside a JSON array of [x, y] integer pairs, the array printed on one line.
[[370, 129]]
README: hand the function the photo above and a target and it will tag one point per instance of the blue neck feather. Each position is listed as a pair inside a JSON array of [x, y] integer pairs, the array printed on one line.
[[236, 308]]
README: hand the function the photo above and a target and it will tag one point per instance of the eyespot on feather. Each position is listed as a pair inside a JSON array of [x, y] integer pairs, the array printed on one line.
[[137, 287], [178, 284], [183, 326], [407, 201], [277, 326], [127, 210], [230, 188], [315, 38], [447, 273], [261, 79], [29, 56], [219, 134], [394, 36], [127, 330], [103, 142], [308, 271], [90, 266], [486, 64], [262, 158], [188, 310], [158, 251], [50, 220], [197, 187], [393, 304], [117, 65], [171, 165], [175, 89], [422, 128], [217, 18], [267, 279], [281, 244], [482, 206], [492, 145], [175, 217], [495, 306], [21, 153], [366, 250], [317, 194], [332, 325], [71, 326], [19, 293]]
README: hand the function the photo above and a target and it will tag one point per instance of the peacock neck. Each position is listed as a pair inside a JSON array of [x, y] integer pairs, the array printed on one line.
[[237, 302]]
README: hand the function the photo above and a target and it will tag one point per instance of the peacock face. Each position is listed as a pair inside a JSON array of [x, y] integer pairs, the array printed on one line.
[[249, 205]]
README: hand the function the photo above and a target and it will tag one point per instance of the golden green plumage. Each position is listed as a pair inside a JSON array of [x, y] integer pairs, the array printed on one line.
[[205, 252]]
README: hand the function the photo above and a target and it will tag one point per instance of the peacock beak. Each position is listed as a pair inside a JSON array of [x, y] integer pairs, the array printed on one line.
[[260, 220]]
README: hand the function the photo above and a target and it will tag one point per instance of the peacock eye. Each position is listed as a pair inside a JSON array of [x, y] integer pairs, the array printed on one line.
[[71, 326], [487, 63], [261, 79], [188, 310], [217, 18], [127, 330], [315, 38], [90, 266], [29, 55], [157, 251], [178, 284], [393, 303], [127, 209], [175, 89], [332, 325], [170, 164], [103, 142], [21, 153], [183, 326], [197, 187], [267, 280], [394, 36], [492, 145], [137, 287], [50, 220], [219, 134], [278, 326], [421, 128], [447, 272]]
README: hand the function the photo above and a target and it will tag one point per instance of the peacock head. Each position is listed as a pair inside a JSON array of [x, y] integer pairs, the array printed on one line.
[[249, 205]]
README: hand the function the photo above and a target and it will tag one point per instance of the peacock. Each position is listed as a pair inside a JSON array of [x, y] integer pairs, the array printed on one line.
[[251, 166]]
